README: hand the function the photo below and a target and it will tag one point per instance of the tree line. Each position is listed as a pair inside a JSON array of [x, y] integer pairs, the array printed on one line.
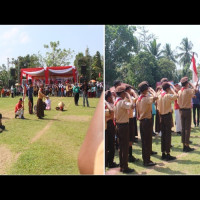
[[54, 56], [133, 55]]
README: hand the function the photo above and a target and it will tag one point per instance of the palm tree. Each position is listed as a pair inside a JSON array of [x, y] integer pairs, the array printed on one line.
[[186, 52], [153, 48], [168, 53]]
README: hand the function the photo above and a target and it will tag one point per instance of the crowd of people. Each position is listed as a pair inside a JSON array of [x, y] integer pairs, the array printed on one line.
[[59, 90], [153, 110], [44, 92]]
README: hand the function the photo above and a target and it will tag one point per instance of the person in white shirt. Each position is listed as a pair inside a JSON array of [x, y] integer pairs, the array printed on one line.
[[48, 103]]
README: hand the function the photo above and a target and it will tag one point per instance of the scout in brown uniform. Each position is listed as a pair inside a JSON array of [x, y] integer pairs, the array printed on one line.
[[110, 131], [184, 100], [122, 125], [164, 106], [144, 114], [132, 125]]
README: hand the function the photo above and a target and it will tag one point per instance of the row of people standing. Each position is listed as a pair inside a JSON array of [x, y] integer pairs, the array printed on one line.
[[143, 104]]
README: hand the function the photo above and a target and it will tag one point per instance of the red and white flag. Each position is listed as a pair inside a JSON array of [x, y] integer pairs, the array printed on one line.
[[194, 70]]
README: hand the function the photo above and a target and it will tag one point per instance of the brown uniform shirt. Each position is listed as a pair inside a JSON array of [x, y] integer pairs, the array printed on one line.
[[164, 103], [130, 111], [185, 97], [144, 108], [120, 111]]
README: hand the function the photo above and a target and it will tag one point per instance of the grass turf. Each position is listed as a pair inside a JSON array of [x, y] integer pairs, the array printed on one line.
[[185, 164], [48, 146]]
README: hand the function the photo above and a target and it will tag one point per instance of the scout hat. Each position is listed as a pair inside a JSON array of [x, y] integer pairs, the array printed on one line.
[[120, 89], [184, 79]]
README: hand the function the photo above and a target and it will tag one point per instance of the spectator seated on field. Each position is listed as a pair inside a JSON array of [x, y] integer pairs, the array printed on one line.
[[48, 103], [61, 106]]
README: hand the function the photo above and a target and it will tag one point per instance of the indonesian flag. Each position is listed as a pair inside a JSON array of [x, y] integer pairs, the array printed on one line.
[[194, 70]]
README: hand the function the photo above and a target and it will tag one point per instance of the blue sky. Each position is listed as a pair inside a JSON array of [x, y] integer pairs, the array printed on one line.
[[20, 40]]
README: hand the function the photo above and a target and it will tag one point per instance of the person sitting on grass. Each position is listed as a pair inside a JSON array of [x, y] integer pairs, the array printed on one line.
[[48, 103], [61, 106], [19, 110]]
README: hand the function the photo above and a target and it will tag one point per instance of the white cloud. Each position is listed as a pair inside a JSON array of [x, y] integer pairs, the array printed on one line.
[[14, 36]]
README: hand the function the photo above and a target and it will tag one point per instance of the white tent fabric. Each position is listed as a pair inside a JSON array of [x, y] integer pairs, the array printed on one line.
[[34, 73], [63, 71]]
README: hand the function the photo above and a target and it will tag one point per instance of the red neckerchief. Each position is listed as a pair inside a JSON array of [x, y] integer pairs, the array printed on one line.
[[182, 89], [106, 107], [140, 97], [163, 93], [119, 99]]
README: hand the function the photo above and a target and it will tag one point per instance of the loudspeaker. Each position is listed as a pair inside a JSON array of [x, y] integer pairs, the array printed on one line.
[[12, 72], [83, 70]]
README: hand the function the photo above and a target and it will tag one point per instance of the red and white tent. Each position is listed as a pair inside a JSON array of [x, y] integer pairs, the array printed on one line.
[[49, 73]]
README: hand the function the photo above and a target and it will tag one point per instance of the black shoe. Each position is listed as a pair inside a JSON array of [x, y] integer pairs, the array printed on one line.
[[113, 165], [149, 164], [128, 170], [16, 116], [184, 149], [169, 157], [153, 152], [132, 159], [179, 133], [188, 149], [190, 142], [154, 134], [163, 157], [136, 140]]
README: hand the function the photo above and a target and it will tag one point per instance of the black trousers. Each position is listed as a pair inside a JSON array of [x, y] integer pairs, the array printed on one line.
[[31, 100], [146, 128], [196, 108], [166, 132], [123, 135], [76, 98], [110, 142]]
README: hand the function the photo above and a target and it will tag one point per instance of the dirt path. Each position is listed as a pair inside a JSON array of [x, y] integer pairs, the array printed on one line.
[[7, 158]]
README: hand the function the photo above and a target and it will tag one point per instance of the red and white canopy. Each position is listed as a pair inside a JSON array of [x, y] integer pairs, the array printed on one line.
[[61, 71]]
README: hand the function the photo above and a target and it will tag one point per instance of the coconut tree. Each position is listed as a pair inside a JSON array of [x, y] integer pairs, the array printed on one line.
[[186, 52], [154, 49], [168, 53]]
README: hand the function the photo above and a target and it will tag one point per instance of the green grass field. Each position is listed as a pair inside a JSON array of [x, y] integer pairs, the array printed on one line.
[[48, 146], [185, 164]]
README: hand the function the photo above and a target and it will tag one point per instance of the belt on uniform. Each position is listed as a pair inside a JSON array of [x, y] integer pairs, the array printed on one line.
[[166, 114], [185, 108], [145, 119], [121, 124]]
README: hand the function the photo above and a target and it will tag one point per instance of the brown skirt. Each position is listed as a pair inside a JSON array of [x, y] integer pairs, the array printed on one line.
[[40, 108]]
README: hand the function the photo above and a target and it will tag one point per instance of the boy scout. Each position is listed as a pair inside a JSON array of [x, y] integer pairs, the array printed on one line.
[[144, 114], [122, 125], [184, 100], [164, 106]]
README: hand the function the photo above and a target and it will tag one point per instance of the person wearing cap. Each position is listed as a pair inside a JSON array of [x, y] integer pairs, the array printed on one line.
[[48, 103], [185, 96], [121, 107], [61, 106], [144, 115], [110, 132], [132, 133], [164, 102], [19, 111]]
